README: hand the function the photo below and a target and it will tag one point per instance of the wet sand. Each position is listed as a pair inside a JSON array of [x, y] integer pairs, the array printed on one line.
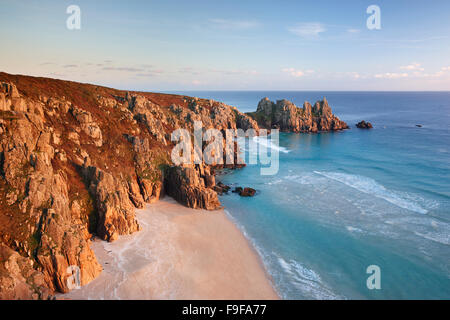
[[180, 253]]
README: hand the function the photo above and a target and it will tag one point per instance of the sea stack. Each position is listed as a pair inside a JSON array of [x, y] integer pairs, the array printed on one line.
[[287, 117]]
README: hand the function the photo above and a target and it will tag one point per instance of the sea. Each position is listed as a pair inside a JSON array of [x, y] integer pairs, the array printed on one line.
[[354, 214]]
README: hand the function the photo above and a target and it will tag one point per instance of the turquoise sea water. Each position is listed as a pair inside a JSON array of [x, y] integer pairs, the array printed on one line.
[[345, 200]]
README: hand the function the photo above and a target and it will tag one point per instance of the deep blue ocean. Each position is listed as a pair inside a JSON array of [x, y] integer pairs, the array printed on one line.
[[343, 201]]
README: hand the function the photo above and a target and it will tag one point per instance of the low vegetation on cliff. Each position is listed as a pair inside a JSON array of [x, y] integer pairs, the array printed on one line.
[[77, 159]]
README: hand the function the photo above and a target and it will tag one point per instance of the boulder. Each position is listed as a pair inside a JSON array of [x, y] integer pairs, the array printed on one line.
[[224, 187], [364, 125], [237, 190], [247, 192]]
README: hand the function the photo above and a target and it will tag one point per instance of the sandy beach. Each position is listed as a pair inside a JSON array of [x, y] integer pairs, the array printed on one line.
[[180, 253]]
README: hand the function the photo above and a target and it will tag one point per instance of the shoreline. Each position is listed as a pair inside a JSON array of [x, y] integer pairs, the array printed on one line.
[[179, 253]]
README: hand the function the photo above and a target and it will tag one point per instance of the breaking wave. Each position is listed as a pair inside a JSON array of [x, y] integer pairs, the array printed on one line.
[[306, 280], [370, 186], [268, 143]]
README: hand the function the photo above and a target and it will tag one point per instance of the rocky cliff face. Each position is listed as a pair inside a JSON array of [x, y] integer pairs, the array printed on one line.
[[19, 280], [192, 185], [75, 161], [286, 116]]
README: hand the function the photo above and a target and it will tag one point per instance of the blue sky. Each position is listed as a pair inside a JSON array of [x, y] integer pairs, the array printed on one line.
[[231, 45]]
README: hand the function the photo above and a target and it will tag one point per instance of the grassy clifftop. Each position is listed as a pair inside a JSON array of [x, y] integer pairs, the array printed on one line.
[[77, 159]]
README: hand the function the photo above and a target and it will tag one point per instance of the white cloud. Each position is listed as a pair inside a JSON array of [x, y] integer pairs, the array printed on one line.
[[390, 75], [234, 72], [234, 24], [417, 71], [444, 71], [296, 73], [413, 66], [353, 30], [149, 74], [436, 74], [197, 82], [308, 29]]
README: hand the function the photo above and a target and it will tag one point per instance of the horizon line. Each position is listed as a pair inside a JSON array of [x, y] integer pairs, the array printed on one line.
[[230, 90]]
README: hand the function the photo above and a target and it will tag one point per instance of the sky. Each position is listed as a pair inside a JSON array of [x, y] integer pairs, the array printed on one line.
[[231, 45]]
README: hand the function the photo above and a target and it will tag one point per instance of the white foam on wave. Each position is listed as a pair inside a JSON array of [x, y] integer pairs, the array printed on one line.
[[307, 178], [377, 217], [274, 182], [262, 254], [370, 186], [442, 237], [268, 143], [306, 280], [353, 229]]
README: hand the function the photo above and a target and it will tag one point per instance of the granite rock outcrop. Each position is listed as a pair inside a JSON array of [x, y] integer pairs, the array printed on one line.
[[76, 160], [287, 117]]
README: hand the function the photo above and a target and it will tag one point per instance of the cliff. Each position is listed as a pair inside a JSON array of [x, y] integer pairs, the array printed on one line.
[[286, 116], [76, 160]]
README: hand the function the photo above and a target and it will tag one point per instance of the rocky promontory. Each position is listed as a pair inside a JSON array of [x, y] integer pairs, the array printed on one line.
[[287, 117], [76, 160]]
